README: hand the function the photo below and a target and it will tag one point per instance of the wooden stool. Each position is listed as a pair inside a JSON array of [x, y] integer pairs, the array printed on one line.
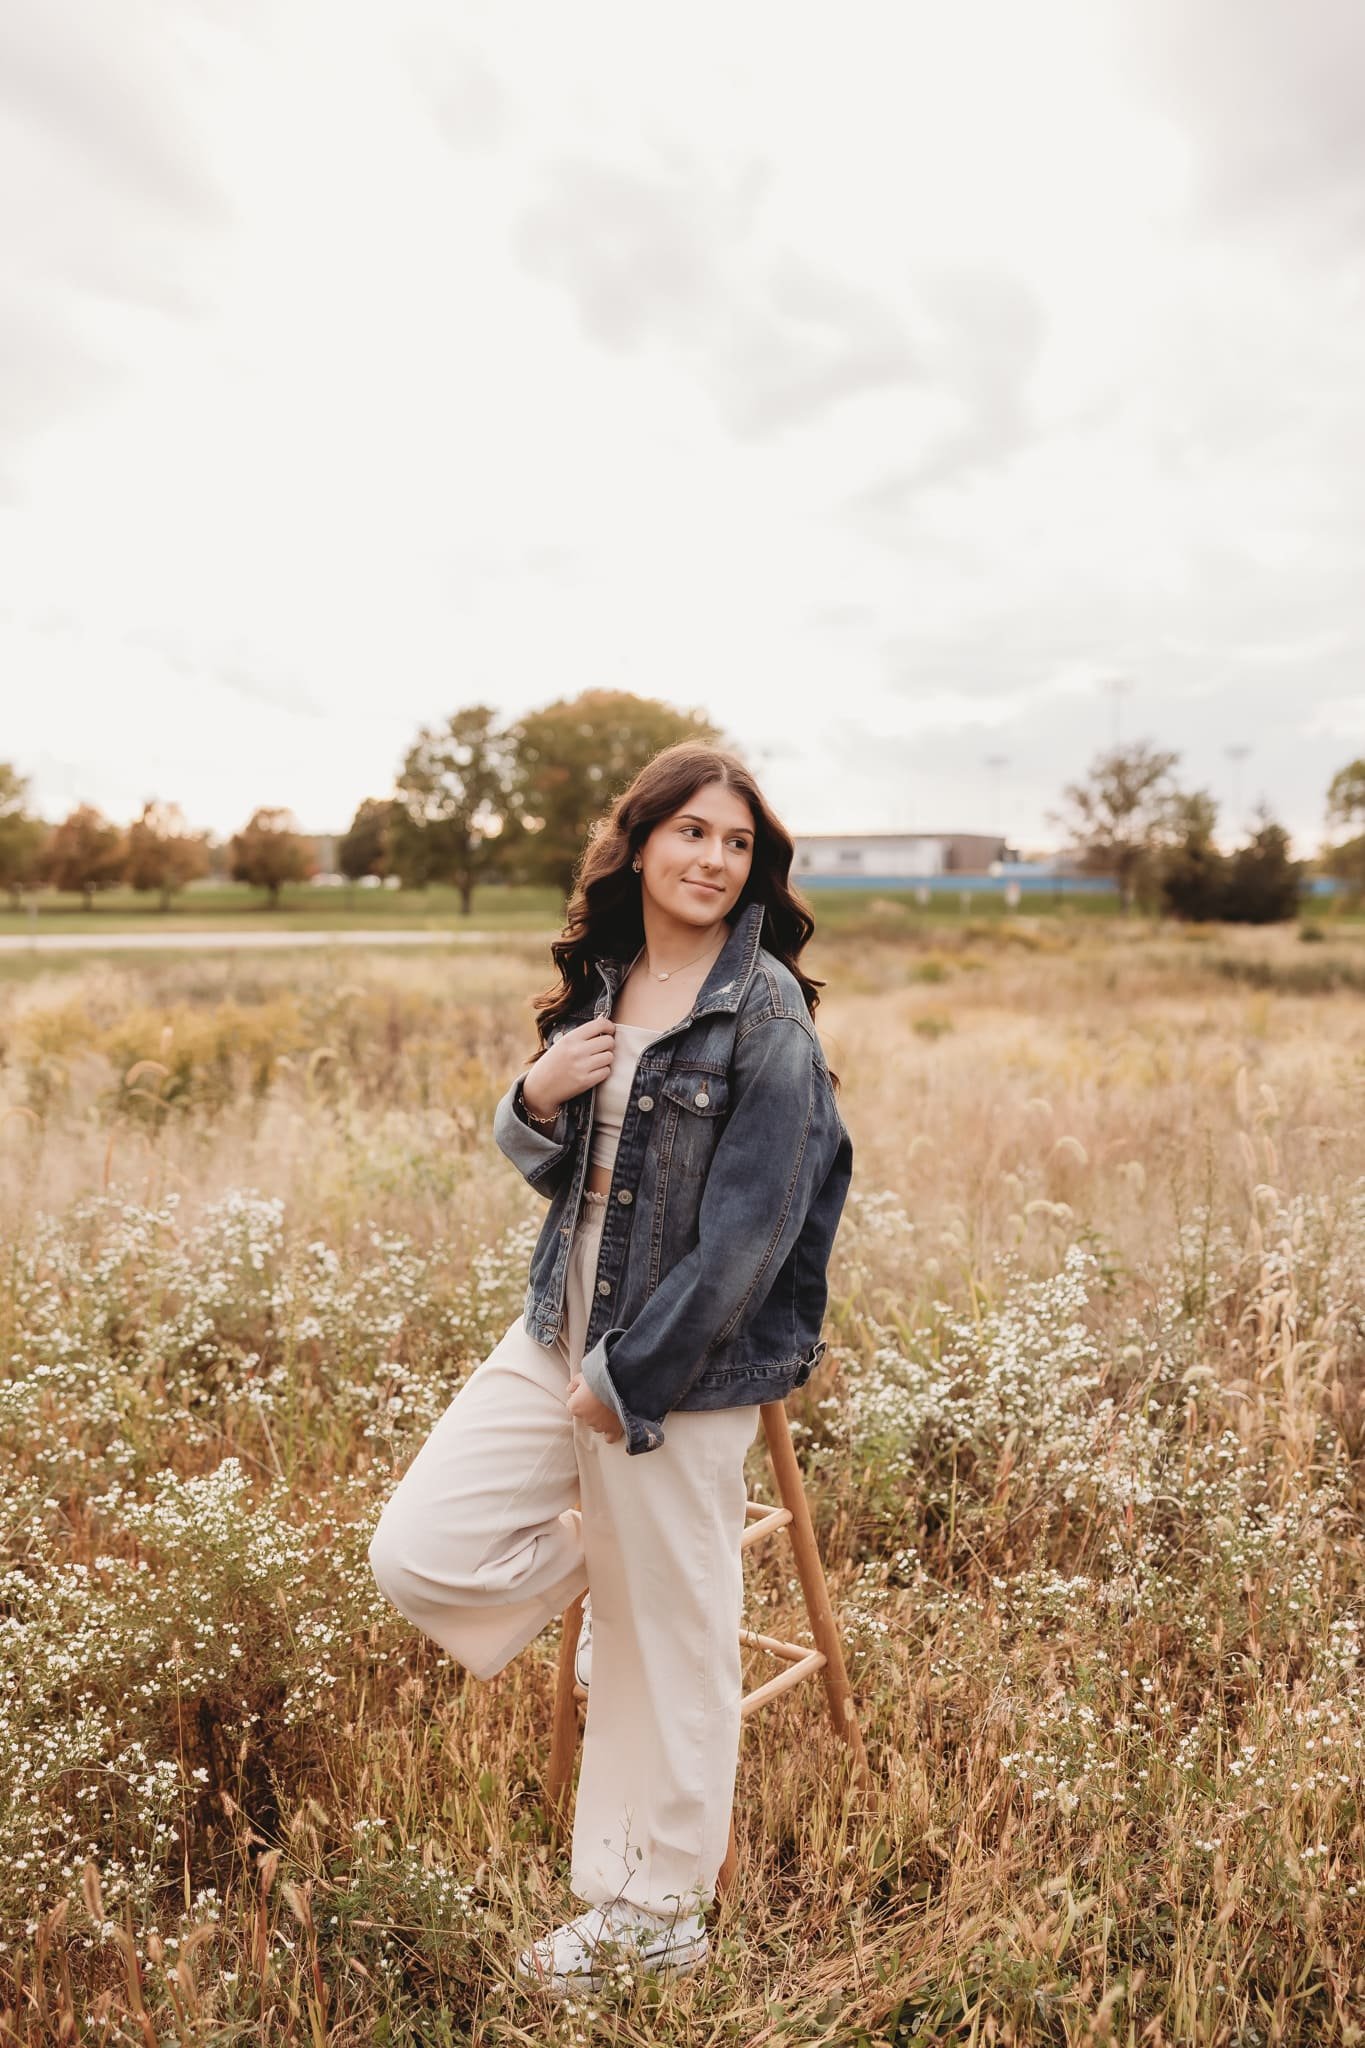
[[761, 1519]]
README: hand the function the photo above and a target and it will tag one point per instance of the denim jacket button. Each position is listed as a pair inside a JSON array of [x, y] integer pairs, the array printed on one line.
[[646, 1102], [701, 1098], [625, 1196], [604, 1287]]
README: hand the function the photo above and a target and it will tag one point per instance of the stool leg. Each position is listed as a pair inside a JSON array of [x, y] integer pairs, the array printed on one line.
[[564, 1730], [782, 1451]]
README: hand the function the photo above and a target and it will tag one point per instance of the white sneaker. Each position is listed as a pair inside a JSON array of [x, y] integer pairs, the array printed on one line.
[[587, 1953], [582, 1656]]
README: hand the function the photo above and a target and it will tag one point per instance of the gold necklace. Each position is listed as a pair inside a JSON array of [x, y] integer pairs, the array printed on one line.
[[672, 970]]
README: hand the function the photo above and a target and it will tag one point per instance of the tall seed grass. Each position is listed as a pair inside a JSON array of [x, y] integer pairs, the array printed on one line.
[[1085, 1459]]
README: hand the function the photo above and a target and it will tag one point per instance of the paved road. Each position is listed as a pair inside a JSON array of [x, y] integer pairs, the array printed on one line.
[[212, 942]]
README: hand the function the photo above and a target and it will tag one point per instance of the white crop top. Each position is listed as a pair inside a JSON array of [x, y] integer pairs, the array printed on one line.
[[612, 1094]]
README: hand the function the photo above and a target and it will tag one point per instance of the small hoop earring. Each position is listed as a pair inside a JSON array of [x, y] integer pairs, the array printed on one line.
[[637, 864]]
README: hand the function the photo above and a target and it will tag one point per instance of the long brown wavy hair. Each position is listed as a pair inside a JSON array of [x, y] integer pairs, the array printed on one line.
[[604, 917]]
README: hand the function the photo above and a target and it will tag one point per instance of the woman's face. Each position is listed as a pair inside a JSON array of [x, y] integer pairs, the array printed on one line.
[[697, 862]]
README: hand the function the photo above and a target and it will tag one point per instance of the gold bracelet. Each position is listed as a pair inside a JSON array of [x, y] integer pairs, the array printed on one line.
[[543, 1121]]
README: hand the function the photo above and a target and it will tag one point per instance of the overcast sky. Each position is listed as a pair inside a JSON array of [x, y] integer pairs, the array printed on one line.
[[885, 379]]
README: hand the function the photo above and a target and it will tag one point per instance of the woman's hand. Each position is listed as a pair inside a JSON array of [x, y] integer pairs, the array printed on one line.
[[585, 1406], [573, 1064]]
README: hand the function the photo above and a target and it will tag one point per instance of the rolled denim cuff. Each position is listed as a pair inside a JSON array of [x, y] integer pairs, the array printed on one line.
[[642, 1432], [532, 1151]]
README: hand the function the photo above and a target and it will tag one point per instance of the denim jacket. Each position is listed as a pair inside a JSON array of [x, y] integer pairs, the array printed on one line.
[[730, 1177]]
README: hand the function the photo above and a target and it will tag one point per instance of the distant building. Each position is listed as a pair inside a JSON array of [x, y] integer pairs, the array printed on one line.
[[323, 847], [894, 858], [936, 864]]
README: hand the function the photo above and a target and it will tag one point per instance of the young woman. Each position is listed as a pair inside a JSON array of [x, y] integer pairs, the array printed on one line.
[[680, 1119]]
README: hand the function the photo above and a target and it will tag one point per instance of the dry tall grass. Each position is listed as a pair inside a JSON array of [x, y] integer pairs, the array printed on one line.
[[1085, 1458]]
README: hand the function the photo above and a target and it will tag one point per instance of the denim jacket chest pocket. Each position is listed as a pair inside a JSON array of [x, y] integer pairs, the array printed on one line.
[[695, 1106]]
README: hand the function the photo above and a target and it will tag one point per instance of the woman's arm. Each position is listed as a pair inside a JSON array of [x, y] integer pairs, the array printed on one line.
[[768, 1166], [541, 1153]]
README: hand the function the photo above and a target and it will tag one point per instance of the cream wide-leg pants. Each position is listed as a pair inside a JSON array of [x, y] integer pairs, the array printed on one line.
[[481, 1545]]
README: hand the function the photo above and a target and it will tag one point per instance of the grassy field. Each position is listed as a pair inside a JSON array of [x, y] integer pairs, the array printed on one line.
[[233, 907], [1085, 1457], [305, 908]]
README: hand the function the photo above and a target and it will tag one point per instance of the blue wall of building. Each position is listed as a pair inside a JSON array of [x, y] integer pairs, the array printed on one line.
[[965, 885]]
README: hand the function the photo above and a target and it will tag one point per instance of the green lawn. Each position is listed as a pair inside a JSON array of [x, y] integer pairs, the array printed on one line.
[[232, 907], [304, 908]]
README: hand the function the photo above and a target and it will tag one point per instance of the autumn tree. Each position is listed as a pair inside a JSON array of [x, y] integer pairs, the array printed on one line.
[[1118, 819], [451, 805], [365, 849], [572, 758], [22, 836], [1346, 807], [85, 853], [163, 853], [270, 851]]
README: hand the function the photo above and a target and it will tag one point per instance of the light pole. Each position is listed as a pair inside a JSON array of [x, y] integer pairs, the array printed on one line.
[[1236, 754], [1118, 687], [995, 762]]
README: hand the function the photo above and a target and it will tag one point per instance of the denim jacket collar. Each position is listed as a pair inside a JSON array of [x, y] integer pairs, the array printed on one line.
[[724, 986]]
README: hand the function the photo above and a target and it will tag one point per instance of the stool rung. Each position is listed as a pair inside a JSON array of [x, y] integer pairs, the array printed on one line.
[[774, 1645], [762, 1519], [806, 1667], [802, 1662]]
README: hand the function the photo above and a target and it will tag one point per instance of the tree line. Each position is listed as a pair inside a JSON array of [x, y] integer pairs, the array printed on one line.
[[477, 800], [1130, 820]]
